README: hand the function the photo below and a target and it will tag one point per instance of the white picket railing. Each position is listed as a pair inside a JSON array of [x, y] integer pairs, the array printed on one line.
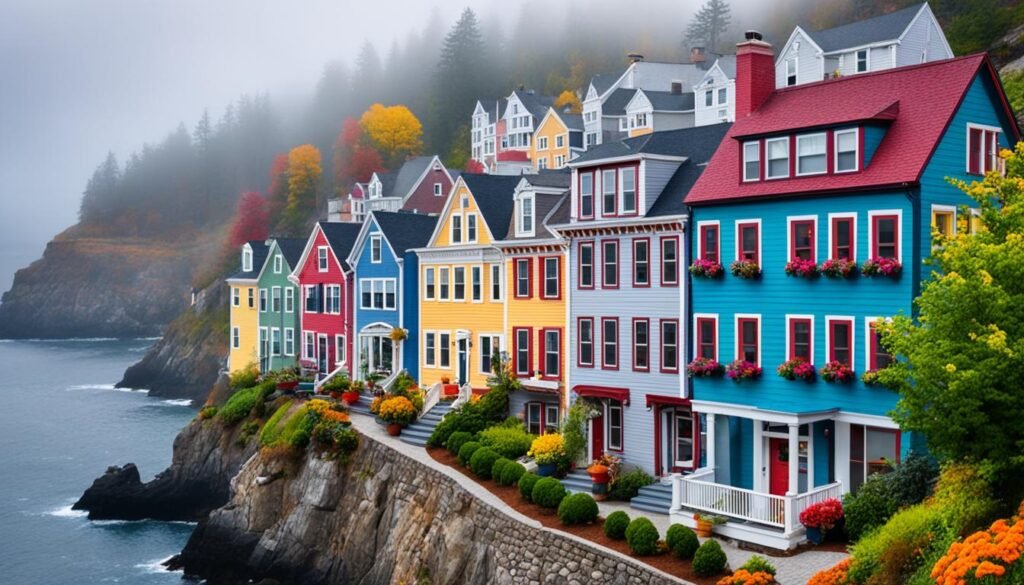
[[319, 383], [465, 393], [819, 494], [432, 397]]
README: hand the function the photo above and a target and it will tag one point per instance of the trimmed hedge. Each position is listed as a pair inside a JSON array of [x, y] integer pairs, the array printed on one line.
[[615, 525], [497, 468], [457, 440], [482, 461], [548, 493], [466, 452], [512, 472], [627, 485], [526, 484], [709, 559], [642, 537], [577, 509], [510, 442], [681, 541]]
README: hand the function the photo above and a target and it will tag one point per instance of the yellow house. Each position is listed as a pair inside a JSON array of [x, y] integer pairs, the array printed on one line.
[[244, 302], [462, 284], [537, 270], [558, 136]]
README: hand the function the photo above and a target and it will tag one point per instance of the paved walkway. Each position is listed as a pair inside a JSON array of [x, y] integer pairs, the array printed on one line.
[[794, 570]]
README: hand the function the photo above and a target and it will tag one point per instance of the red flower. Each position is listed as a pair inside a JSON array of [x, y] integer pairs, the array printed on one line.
[[822, 515]]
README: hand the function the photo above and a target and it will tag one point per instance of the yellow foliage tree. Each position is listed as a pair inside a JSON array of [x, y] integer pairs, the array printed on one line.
[[394, 131], [303, 177], [570, 99]]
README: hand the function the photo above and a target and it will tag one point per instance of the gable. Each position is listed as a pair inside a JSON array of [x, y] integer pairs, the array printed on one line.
[[639, 102], [461, 203]]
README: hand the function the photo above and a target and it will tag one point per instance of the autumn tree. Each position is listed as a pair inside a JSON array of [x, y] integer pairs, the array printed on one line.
[[394, 131], [474, 166], [252, 221], [353, 161], [709, 24], [303, 178], [569, 99], [277, 193]]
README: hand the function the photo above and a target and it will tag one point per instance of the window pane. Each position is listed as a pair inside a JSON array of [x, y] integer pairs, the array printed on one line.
[[707, 338], [751, 161], [803, 242], [587, 265], [641, 262], [669, 346], [640, 344], [628, 190], [778, 158], [669, 262], [841, 342], [846, 147], [801, 340], [885, 236], [811, 156], [710, 243], [748, 341], [748, 235], [587, 342], [842, 234], [608, 190], [552, 351], [587, 194]]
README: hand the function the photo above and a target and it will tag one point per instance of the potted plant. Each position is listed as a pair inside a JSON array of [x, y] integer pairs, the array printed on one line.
[[351, 395], [838, 268], [397, 412], [747, 269], [890, 267], [287, 381], [447, 388], [547, 450], [398, 334], [819, 518], [740, 370], [705, 523], [704, 368], [335, 387], [797, 369], [801, 267], [835, 371], [702, 268], [602, 473]]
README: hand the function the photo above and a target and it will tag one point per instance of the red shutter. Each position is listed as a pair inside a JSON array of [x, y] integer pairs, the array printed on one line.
[[973, 142]]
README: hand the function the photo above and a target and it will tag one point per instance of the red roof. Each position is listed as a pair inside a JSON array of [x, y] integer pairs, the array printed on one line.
[[917, 102], [620, 394], [513, 156]]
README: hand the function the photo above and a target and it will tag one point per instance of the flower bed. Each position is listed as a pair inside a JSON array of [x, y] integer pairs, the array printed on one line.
[[702, 268], [704, 368]]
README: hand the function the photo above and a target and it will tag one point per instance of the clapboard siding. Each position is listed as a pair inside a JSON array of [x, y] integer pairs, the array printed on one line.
[[281, 319], [655, 175], [922, 41], [807, 61]]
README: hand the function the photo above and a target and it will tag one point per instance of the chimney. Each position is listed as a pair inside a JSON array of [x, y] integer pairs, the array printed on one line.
[[755, 73], [697, 55], [635, 57]]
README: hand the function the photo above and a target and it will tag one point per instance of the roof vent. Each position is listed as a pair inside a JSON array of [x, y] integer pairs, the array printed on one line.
[[677, 88], [753, 35], [635, 57]]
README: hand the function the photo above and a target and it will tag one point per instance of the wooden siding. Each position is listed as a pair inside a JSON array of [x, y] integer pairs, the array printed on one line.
[[808, 63], [246, 319], [551, 128], [387, 268], [537, 312], [281, 319], [655, 174], [323, 323], [918, 39]]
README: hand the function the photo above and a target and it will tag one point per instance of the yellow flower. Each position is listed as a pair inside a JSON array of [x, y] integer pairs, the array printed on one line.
[[950, 368], [547, 448]]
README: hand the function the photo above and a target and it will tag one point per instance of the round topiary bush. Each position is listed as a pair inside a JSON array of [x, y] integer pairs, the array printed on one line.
[[526, 484], [548, 493], [457, 440], [482, 461], [512, 472], [642, 537], [577, 509], [681, 541], [615, 525], [497, 468], [466, 452], [709, 559]]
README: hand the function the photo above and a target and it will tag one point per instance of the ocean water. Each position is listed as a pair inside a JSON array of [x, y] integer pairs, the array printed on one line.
[[61, 424]]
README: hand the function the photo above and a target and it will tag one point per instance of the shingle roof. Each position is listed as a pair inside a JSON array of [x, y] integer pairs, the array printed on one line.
[[405, 231], [408, 174], [688, 142], [700, 144], [864, 32], [543, 203], [556, 178], [562, 212], [666, 101], [659, 76], [291, 248], [727, 63], [536, 104], [918, 101], [387, 183], [603, 81], [259, 257], [615, 105], [572, 121], [341, 236], [493, 195]]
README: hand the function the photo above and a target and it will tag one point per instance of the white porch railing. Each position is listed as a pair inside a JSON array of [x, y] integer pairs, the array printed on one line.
[[465, 392], [317, 384], [802, 501], [432, 397], [389, 381]]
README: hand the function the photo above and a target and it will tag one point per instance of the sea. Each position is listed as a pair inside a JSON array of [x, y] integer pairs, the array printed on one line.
[[62, 423]]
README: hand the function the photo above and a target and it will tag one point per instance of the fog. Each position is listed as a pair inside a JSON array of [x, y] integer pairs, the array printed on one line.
[[79, 79]]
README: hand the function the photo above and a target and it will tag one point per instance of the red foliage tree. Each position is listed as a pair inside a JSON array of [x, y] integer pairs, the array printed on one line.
[[252, 221], [474, 166], [354, 160], [277, 195]]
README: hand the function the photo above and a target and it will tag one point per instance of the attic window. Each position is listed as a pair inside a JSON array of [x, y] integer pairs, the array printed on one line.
[[847, 145], [437, 189], [811, 156], [526, 215], [791, 72], [777, 165], [247, 260], [862, 61]]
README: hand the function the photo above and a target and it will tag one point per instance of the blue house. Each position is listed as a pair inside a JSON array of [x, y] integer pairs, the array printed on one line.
[[847, 175], [386, 287]]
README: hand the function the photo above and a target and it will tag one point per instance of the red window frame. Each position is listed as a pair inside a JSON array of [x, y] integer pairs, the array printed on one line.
[[836, 222], [832, 323], [740, 252], [701, 342], [579, 342], [793, 249], [793, 322], [544, 277], [647, 323], [714, 256], [529, 351], [661, 344], [661, 249], [579, 265], [604, 341], [647, 243], [875, 244], [604, 264], [529, 277], [740, 341], [875, 347], [543, 346], [579, 191]]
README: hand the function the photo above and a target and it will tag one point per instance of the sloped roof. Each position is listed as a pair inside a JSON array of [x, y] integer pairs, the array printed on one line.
[[700, 145], [341, 236], [659, 76], [865, 32], [603, 81], [688, 142], [408, 174], [260, 249], [358, 190], [917, 102], [544, 204], [536, 104], [405, 231], [387, 183], [615, 105], [493, 195], [572, 121], [555, 178], [727, 63], [666, 101], [292, 249], [562, 212]]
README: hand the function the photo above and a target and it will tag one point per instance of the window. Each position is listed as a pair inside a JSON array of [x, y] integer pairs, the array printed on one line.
[[375, 249], [535, 418], [811, 154], [289, 300], [842, 238], [490, 346], [878, 357], [444, 342], [669, 345], [552, 353], [321, 259], [608, 192], [496, 293], [801, 239], [429, 286], [871, 451], [982, 149], [748, 339], [709, 242], [862, 60], [526, 215], [289, 341], [847, 149], [610, 343], [669, 261], [722, 96], [429, 349], [559, 161], [278, 264], [791, 71], [615, 426], [800, 336], [246, 260], [275, 299], [748, 241], [641, 262], [707, 338], [542, 143], [586, 268], [456, 229], [263, 300], [751, 161], [471, 227], [840, 341], [885, 236], [309, 345], [586, 209], [523, 268], [521, 352], [551, 418], [709, 98], [438, 189], [560, 141], [552, 278], [340, 350], [235, 338], [236, 297], [251, 298], [460, 283], [610, 264], [312, 298], [333, 299], [275, 341], [377, 293], [778, 158], [443, 285], [641, 345], [944, 220], [628, 190], [585, 342]]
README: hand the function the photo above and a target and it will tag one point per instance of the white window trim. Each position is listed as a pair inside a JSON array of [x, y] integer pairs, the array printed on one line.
[[461, 229], [757, 144], [498, 269], [264, 339], [264, 301], [438, 189], [289, 300], [437, 349], [465, 284], [621, 192], [340, 347], [737, 337], [306, 337], [844, 215], [326, 259], [767, 159], [247, 259], [796, 166], [289, 341], [853, 338], [236, 338], [796, 71], [789, 235], [544, 356], [736, 239], [520, 216], [867, 60], [275, 292], [718, 347], [868, 322], [373, 283], [943, 209], [426, 295], [476, 228], [899, 230], [278, 264], [236, 297], [480, 342], [542, 143], [856, 151], [789, 346], [429, 334], [558, 276], [478, 270], [377, 240], [447, 281], [622, 426], [967, 145], [327, 295], [270, 341]]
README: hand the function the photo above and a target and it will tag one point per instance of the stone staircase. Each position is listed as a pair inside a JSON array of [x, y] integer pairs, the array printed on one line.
[[656, 498], [362, 407], [418, 432], [578, 481]]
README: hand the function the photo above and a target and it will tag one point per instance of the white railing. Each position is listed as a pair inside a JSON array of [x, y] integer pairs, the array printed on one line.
[[317, 384], [432, 397], [802, 501], [465, 393], [389, 381]]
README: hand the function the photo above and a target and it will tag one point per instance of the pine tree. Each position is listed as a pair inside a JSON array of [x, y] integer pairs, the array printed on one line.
[[461, 79], [100, 191], [710, 22]]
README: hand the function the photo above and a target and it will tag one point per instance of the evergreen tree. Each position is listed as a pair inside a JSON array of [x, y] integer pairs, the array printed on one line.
[[101, 191], [367, 79], [710, 22], [461, 80]]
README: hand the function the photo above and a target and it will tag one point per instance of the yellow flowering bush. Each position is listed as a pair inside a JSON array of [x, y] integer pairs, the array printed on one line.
[[375, 405], [398, 409], [318, 407], [549, 448]]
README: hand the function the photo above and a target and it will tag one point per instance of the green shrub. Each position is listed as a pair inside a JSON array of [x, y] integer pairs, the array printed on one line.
[[965, 498], [526, 484], [869, 507], [682, 541], [548, 493], [207, 412], [346, 440], [577, 509], [482, 461], [457, 440], [270, 433], [627, 485], [472, 418], [240, 405], [642, 537], [615, 525], [510, 442], [497, 468], [466, 452], [709, 559], [512, 472], [244, 378], [911, 480], [298, 428], [892, 552], [759, 564]]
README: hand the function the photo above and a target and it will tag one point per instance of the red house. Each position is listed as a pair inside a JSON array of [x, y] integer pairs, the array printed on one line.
[[326, 288]]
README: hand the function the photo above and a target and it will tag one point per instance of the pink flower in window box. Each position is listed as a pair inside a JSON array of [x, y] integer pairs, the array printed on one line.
[[890, 267], [837, 372], [740, 370], [745, 269], [706, 268], [800, 267], [797, 369], [704, 368], [838, 268]]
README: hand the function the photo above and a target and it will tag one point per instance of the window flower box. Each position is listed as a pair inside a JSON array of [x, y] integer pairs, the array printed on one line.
[[704, 368], [890, 267], [747, 269], [702, 268], [797, 369], [837, 372], [740, 370], [839, 268], [800, 267]]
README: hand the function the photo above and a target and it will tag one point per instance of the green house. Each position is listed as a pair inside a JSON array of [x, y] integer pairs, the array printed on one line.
[[278, 306]]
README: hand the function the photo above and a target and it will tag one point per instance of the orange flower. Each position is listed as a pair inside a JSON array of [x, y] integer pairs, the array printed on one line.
[[986, 568], [835, 575], [982, 554], [745, 577]]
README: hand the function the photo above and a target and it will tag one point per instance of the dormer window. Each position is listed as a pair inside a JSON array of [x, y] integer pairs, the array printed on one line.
[[608, 192], [586, 209], [278, 264], [246, 259], [751, 161], [526, 215], [862, 61], [847, 146], [709, 98], [777, 151], [627, 191], [791, 71], [811, 154]]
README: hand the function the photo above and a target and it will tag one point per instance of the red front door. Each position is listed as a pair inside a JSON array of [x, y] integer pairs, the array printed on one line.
[[778, 466], [597, 435]]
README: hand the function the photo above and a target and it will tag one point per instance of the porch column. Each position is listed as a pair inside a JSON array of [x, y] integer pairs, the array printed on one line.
[[759, 456], [711, 440], [794, 460], [841, 440]]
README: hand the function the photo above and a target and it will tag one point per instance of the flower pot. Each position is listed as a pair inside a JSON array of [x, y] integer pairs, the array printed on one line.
[[703, 529], [394, 429], [547, 470], [288, 386], [600, 491], [350, 397], [336, 395], [815, 535], [450, 389], [600, 478]]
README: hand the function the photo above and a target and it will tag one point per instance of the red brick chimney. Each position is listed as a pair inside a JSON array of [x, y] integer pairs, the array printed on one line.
[[755, 73]]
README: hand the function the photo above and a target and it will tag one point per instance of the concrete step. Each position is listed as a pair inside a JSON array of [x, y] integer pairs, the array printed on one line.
[[578, 481], [646, 506], [653, 498]]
